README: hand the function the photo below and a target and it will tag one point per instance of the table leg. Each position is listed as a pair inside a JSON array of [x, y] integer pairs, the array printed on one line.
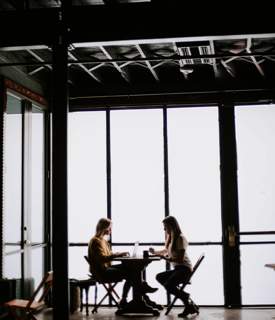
[[81, 298], [87, 299], [138, 304]]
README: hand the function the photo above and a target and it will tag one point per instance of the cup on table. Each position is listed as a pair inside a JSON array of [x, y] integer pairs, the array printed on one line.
[[145, 254]]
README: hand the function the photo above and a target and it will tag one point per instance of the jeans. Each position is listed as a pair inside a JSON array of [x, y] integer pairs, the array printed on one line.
[[117, 273], [172, 278]]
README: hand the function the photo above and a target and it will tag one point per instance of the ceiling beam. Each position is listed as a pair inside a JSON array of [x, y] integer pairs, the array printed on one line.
[[110, 2], [124, 19], [115, 64], [194, 86], [90, 73], [183, 98], [125, 61], [248, 50], [147, 62]]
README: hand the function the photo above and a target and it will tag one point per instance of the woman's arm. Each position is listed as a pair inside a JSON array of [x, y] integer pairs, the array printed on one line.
[[162, 252], [120, 254]]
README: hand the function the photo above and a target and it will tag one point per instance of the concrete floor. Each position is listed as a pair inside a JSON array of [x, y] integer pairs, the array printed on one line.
[[205, 314]]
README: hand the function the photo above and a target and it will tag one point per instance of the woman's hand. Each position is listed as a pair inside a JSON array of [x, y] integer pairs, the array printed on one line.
[[165, 257], [152, 250], [122, 254]]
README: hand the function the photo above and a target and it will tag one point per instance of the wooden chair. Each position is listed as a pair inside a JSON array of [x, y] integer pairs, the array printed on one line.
[[110, 291], [33, 305], [171, 305]]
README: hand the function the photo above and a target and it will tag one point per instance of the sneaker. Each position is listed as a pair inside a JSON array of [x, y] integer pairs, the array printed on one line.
[[147, 289], [190, 308]]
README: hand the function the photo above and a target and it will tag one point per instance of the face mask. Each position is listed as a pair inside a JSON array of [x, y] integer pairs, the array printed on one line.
[[107, 237]]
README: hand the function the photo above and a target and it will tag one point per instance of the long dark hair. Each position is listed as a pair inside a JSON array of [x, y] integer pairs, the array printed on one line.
[[172, 224]]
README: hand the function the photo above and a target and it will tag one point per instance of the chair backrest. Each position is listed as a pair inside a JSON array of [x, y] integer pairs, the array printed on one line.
[[43, 287], [196, 265], [87, 259]]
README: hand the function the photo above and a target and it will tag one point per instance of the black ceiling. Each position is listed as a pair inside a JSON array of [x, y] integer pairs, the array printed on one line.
[[126, 63]]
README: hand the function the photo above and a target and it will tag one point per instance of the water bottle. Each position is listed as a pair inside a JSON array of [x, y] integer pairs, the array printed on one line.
[[135, 249]]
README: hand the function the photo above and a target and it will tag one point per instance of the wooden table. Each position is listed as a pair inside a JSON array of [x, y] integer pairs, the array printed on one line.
[[138, 304]]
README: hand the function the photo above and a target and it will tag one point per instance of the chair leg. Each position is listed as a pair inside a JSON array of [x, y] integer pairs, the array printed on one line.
[[87, 299], [112, 288], [95, 303], [95, 294], [81, 298], [171, 305], [110, 293], [100, 302]]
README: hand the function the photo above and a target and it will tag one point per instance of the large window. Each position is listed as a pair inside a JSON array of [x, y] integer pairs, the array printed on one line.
[[136, 183], [87, 173], [24, 189], [137, 175], [255, 128], [87, 182], [255, 131], [194, 193], [37, 194], [13, 186], [194, 177], [37, 174]]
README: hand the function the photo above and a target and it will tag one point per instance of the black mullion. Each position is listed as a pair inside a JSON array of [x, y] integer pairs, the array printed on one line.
[[165, 158], [166, 179], [108, 173], [47, 219], [108, 165], [2, 109], [59, 171], [23, 169], [229, 205], [255, 232], [27, 107]]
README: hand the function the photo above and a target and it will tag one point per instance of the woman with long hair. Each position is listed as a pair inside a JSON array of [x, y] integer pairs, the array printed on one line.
[[100, 256], [175, 252]]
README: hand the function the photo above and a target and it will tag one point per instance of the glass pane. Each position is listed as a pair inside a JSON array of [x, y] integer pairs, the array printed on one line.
[[37, 265], [137, 175], [13, 170], [257, 280], [79, 269], [255, 130], [87, 173], [208, 275], [12, 265], [37, 175], [194, 174], [260, 238]]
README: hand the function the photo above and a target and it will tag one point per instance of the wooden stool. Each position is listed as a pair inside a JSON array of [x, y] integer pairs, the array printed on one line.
[[85, 285]]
